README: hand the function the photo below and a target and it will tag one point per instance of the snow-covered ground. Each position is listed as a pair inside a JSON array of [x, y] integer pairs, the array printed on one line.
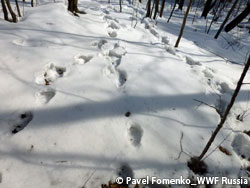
[[87, 99]]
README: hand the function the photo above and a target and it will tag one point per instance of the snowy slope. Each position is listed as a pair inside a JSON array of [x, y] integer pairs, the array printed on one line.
[[68, 82]]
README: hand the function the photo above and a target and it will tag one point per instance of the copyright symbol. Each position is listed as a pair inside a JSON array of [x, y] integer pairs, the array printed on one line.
[[119, 180]]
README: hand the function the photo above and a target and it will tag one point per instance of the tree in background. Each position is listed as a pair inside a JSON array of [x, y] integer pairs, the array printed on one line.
[[238, 19], [181, 3], [208, 6], [162, 7], [5, 11], [183, 23], [175, 2], [148, 8], [156, 8], [225, 20], [12, 13], [73, 7]]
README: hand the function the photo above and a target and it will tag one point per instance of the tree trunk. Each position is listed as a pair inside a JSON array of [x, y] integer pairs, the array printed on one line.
[[229, 106], [196, 10], [183, 24], [208, 6], [148, 8], [238, 19], [5, 11], [18, 9], [32, 3], [162, 7], [172, 10], [215, 13], [13, 15], [120, 5], [151, 12], [156, 8], [225, 21], [70, 6], [181, 3]]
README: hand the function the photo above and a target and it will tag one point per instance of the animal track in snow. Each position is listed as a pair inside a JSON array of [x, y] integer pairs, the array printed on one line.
[[119, 77], [191, 61], [135, 134], [100, 43], [117, 51], [50, 74], [112, 33], [108, 17], [45, 95], [125, 171], [165, 40], [113, 25], [82, 59], [23, 120]]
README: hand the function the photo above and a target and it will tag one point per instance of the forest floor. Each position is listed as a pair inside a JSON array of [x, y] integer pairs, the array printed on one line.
[[87, 99]]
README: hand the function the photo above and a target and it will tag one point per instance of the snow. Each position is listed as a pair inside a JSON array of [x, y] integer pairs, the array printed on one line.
[[68, 82]]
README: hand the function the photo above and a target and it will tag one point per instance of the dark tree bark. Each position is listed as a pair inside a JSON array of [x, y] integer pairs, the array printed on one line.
[[151, 12], [225, 21], [162, 7], [5, 11], [196, 11], [12, 13], [229, 106], [238, 19], [215, 13], [148, 8], [208, 6], [73, 7], [156, 8], [181, 3], [18, 9], [120, 5], [183, 24], [172, 10]]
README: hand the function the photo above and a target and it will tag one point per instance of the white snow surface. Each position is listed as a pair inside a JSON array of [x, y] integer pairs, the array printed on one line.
[[68, 82]]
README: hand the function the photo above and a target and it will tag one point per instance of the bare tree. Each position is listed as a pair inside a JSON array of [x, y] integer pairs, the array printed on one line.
[[5, 11], [198, 4], [18, 9], [229, 106], [225, 20], [238, 19], [181, 3], [175, 2], [120, 1], [12, 13], [162, 7], [183, 23], [156, 8], [208, 6], [215, 13], [148, 8], [73, 7]]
